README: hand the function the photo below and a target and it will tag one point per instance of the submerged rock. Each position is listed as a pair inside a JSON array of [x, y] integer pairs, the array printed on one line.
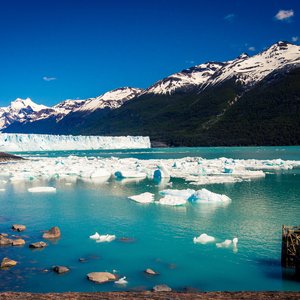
[[38, 245], [150, 272], [18, 242], [53, 233], [18, 227], [162, 288], [60, 269], [7, 263], [101, 277]]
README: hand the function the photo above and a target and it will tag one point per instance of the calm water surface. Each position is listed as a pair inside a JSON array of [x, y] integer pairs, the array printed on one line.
[[162, 237]]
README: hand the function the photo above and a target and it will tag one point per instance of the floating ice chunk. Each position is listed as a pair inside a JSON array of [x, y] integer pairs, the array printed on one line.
[[2, 190], [105, 238], [186, 194], [224, 244], [203, 239], [172, 200], [130, 174], [235, 241], [161, 172], [143, 198], [100, 173], [95, 236], [42, 189], [205, 195], [121, 281]]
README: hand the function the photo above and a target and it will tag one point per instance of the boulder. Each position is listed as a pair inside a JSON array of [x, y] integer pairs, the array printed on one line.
[[60, 269], [5, 241], [18, 242], [7, 263], [53, 233], [38, 245], [162, 288], [101, 277], [18, 227], [150, 272], [3, 235]]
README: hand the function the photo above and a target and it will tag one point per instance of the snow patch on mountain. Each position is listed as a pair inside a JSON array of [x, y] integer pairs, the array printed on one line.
[[112, 99]]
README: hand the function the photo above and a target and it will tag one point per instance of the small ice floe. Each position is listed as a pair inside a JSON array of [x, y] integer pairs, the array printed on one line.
[[160, 172], [105, 238], [235, 242], [95, 236], [172, 200], [205, 195], [121, 281], [203, 239], [42, 189], [130, 174], [224, 244], [143, 198], [186, 194]]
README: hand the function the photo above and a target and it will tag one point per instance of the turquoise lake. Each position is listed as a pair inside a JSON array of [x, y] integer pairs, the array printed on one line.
[[159, 237]]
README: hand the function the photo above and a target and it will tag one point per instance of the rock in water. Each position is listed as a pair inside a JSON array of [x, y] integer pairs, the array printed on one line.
[[18, 242], [150, 272], [162, 288], [101, 277], [18, 227], [38, 245], [60, 269], [5, 241], [53, 233], [7, 263]]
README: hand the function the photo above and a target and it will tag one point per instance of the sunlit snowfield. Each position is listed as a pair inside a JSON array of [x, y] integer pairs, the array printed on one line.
[[159, 236]]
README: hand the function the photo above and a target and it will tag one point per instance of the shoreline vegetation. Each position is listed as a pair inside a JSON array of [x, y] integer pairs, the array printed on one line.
[[151, 295], [7, 157]]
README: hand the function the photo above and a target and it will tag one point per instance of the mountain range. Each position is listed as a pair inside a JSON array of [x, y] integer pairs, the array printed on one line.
[[251, 100]]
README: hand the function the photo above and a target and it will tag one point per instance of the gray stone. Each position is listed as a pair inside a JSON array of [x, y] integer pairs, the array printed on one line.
[[60, 269], [101, 277], [53, 233], [162, 288], [18, 227], [38, 245], [5, 241], [7, 263], [150, 272], [18, 242]]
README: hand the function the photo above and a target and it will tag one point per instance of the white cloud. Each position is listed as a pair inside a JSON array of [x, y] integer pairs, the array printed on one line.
[[230, 17], [46, 78], [283, 15], [251, 48], [295, 39]]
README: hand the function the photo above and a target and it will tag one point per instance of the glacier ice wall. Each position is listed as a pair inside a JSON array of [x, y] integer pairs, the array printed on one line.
[[11, 142]]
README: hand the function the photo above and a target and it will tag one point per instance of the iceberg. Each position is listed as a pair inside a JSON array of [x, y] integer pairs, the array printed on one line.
[[130, 174], [186, 194], [105, 238], [203, 239], [121, 281], [144, 198], [205, 195], [42, 189], [224, 244], [95, 236], [172, 200], [15, 142]]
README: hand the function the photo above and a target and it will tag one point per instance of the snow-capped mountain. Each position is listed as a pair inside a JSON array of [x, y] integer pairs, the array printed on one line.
[[19, 110], [25, 110], [247, 70], [112, 99]]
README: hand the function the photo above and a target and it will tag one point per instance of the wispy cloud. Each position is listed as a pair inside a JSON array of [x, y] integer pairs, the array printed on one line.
[[251, 48], [284, 15], [46, 78], [295, 39], [190, 61], [230, 17]]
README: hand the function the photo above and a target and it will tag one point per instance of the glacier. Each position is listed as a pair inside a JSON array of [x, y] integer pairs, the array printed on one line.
[[14, 142]]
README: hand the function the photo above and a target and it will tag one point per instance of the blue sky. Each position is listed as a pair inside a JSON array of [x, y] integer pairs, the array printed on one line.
[[59, 49]]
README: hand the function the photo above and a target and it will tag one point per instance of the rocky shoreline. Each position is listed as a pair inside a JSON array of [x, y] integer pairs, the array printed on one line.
[[7, 157], [152, 296]]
